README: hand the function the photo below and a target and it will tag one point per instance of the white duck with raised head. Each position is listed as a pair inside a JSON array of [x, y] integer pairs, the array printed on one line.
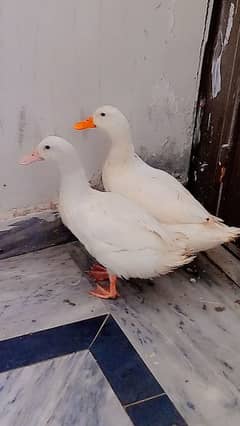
[[155, 190]]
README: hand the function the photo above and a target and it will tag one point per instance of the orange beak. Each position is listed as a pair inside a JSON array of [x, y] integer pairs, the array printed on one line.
[[86, 124], [28, 159]]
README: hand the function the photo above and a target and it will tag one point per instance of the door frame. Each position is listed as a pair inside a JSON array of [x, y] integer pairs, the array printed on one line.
[[217, 115]]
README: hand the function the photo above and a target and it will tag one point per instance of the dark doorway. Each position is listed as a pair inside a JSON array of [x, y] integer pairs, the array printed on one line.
[[215, 165]]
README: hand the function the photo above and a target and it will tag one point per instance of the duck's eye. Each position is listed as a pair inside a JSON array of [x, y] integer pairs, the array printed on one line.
[[103, 114], [47, 147]]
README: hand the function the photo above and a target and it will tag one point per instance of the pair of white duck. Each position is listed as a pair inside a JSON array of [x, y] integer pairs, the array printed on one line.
[[146, 225]]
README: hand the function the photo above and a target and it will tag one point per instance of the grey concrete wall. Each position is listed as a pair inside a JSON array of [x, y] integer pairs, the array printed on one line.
[[60, 59]]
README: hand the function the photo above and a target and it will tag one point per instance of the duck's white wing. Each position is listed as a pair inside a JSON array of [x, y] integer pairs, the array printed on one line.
[[128, 241], [122, 223], [165, 196]]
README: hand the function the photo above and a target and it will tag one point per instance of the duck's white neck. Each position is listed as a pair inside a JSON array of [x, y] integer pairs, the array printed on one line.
[[122, 149], [73, 175]]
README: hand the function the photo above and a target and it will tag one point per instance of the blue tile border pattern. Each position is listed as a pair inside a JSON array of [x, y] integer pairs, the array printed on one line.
[[138, 391]]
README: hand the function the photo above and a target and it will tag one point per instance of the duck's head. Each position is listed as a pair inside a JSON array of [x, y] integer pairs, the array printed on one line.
[[107, 118], [50, 148]]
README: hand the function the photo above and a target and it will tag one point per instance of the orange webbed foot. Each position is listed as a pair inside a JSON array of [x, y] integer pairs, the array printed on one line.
[[110, 293]]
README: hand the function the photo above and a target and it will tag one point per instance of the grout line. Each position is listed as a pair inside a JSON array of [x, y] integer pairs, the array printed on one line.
[[144, 400], [99, 331]]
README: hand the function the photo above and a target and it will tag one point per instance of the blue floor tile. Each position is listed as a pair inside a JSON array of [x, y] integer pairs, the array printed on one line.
[[128, 375], [155, 412], [31, 348]]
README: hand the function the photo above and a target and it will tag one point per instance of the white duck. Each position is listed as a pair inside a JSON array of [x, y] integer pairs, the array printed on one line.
[[155, 190], [117, 232]]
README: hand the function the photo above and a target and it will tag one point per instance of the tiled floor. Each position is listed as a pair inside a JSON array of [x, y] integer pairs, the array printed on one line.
[[80, 373], [61, 391], [86, 372]]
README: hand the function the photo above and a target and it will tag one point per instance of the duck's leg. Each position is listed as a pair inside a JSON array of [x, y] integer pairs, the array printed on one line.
[[103, 293], [98, 272], [98, 267]]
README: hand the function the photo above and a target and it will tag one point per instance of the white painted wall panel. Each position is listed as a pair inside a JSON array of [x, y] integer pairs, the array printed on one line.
[[60, 59]]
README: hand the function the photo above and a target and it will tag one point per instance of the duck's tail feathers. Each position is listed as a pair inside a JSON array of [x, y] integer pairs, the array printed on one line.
[[184, 259], [227, 233], [208, 236], [232, 233]]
